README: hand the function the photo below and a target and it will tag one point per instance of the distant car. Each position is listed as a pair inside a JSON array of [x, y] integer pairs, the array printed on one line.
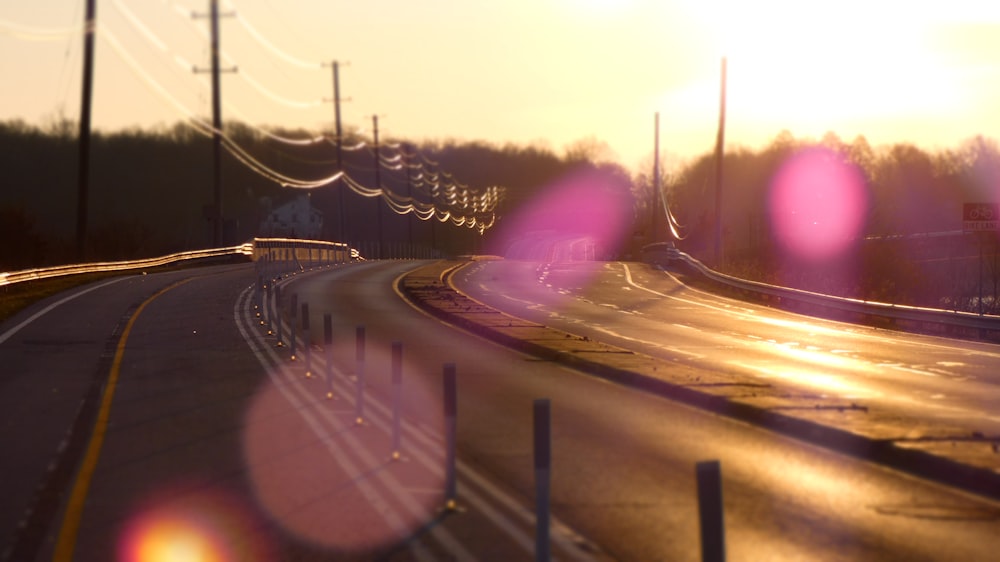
[[659, 253]]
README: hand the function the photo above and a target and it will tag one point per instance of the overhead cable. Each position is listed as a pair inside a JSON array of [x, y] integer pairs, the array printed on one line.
[[31, 33], [291, 59]]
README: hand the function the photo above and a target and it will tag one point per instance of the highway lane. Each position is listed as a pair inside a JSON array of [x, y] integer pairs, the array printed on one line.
[[201, 419], [624, 460], [205, 444], [205, 440], [53, 355], [940, 388]]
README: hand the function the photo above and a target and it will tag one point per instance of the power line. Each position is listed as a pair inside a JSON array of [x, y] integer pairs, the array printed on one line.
[[450, 201], [291, 59], [41, 34]]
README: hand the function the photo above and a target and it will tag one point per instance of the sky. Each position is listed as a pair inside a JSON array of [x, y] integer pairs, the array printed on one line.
[[544, 72]]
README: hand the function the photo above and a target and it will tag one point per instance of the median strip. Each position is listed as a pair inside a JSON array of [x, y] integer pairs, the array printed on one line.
[[430, 289]]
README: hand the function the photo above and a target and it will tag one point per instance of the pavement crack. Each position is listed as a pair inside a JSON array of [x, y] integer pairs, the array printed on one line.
[[837, 407]]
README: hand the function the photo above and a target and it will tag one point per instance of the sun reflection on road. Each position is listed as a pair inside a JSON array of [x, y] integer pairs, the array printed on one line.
[[789, 366]]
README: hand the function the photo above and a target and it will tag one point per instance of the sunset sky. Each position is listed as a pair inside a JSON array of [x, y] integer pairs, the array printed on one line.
[[550, 72]]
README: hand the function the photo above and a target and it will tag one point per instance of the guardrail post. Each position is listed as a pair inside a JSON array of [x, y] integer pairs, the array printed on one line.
[[543, 477], [306, 333], [265, 302], [397, 396], [258, 298], [292, 323], [328, 353], [359, 392], [713, 541], [277, 312], [450, 436]]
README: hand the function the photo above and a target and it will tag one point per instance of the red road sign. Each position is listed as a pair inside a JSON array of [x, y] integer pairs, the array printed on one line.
[[980, 216]]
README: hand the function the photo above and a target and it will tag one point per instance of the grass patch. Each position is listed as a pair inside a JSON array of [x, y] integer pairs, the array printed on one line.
[[17, 297]]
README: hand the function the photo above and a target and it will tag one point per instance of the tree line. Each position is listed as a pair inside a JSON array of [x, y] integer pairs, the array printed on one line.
[[910, 248], [151, 189]]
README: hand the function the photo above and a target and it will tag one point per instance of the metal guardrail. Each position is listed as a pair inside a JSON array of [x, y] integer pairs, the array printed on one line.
[[275, 250], [928, 320]]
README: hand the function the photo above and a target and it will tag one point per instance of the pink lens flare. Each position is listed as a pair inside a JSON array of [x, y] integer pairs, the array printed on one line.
[[327, 480], [818, 204], [583, 216]]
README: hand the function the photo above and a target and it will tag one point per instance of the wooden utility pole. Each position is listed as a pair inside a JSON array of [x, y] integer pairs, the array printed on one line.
[[409, 193], [216, 210], [83, 142], [335, 65], [378, 186], [654, 230], [217, 129], [719, 152]]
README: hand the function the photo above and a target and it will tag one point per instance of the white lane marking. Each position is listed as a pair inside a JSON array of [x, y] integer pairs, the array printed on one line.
[[286, 380], [562, 534], [6, 335], [630, 281], [379, 414], [913, 370]]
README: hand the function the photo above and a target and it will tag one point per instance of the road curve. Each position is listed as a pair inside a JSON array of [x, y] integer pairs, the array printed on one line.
[[208, 415], [918, 393]]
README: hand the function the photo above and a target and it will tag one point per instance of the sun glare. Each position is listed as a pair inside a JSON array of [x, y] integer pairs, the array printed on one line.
[[596, 7], [812, 67]]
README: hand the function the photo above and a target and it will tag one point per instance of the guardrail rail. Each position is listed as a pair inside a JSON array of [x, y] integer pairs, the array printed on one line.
[[878, 314], [302, 253]]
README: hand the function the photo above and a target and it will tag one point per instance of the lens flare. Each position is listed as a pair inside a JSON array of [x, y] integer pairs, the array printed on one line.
[[584, 216], [818, 204], [202, 528], [327, 480]]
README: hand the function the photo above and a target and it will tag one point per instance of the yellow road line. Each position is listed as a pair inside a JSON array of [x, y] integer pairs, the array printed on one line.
[[66, 541]]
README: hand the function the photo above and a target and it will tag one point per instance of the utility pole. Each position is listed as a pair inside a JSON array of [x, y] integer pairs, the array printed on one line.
[[216, 212], [656, 178], [83, 142], [335, 65], [378, 185], [719, 151], [409, 193]]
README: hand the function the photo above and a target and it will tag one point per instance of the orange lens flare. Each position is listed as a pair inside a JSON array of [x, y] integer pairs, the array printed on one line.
[[206, 528], [174, 540]]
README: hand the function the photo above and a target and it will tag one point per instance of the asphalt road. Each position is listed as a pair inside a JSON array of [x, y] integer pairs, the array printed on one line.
[[211, 423], [624, 460], [918, 391]]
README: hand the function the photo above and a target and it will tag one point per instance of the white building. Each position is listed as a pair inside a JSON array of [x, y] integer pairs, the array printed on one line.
[[295, 219]]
